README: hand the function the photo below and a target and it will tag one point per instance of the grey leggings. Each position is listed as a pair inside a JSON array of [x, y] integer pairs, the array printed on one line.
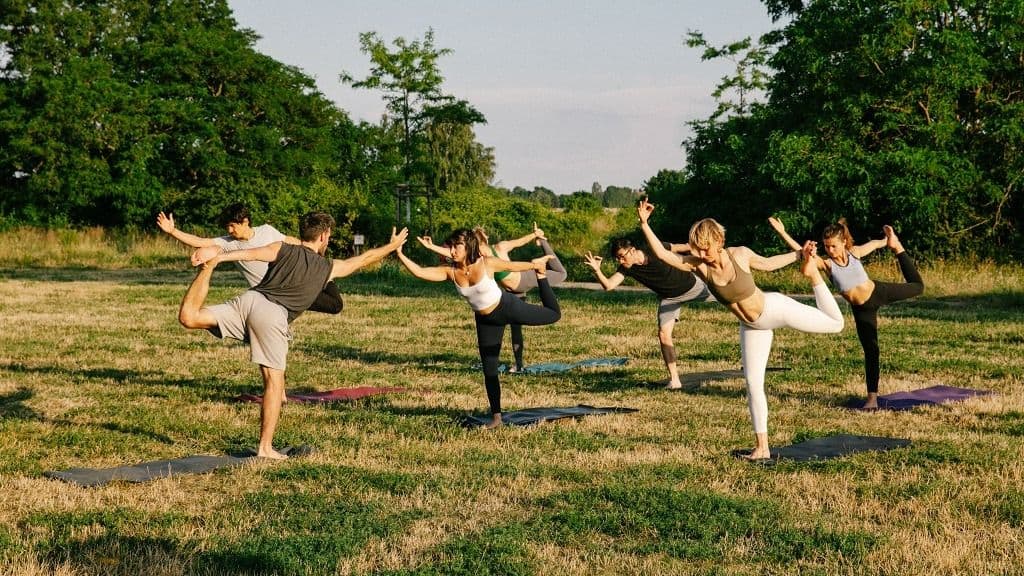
[[527, 280]]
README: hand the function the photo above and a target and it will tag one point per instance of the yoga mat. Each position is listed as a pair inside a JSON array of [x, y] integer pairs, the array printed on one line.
[[339, 395], [829, 447], [559, 367], [146, 471], [923, 397], [532, 416]]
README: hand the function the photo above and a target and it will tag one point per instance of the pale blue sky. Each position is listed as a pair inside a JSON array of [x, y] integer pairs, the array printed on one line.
[[574, 92]]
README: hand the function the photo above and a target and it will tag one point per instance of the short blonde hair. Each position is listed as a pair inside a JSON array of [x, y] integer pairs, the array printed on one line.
[[704, 232]]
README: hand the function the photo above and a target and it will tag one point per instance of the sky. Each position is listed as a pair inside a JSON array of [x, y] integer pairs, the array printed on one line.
[[574, 92]]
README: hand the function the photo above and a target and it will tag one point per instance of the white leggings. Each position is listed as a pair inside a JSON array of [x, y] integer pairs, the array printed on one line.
[[780, 311]]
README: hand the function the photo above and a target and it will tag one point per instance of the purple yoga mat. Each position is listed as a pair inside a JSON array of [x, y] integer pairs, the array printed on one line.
[[927, 396], [339, 395]]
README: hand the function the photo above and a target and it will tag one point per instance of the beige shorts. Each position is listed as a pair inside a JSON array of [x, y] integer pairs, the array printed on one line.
[[251, 318]]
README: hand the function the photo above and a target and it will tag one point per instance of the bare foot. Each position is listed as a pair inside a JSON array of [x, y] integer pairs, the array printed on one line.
[[673, 385], [891, 240], [495, 422], [270, 454], [759, 454]]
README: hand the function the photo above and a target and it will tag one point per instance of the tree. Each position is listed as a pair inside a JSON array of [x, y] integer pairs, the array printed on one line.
[[113, 109], [432, 129], [901, 112]]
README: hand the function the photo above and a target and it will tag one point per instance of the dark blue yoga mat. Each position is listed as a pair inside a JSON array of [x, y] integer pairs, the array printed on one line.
[[923, 397], [532, 416], [146, 471], [830, 447]]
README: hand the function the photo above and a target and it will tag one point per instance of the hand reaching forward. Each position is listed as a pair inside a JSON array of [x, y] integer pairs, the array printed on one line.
[[165, 222], [593, 261], [643, 210]]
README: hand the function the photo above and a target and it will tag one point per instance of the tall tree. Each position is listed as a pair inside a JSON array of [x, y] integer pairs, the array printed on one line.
[[112, 109], [432, 129], [897, 111]]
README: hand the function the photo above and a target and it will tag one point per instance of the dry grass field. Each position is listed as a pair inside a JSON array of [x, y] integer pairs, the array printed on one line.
[[96, 372]]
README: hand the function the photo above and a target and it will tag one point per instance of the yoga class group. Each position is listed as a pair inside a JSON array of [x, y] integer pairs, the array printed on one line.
[[288, 276]]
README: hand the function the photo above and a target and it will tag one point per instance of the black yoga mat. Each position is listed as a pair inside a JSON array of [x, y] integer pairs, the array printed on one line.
[[532, 416], [146, 471], [829, 447]]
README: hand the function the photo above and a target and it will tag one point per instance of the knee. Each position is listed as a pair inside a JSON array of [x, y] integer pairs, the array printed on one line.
[[665, 336]]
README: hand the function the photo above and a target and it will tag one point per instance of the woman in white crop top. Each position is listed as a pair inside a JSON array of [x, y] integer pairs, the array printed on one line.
[[864, 294], [473, 275]]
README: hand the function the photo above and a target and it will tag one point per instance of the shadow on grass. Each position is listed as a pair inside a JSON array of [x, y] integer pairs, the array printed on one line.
[[12, 406], [437, 362], [204, 388]]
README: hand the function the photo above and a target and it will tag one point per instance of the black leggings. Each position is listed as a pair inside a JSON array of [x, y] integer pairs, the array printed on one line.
[[865, 315], [329, 300], [556, 274], [490, 330]]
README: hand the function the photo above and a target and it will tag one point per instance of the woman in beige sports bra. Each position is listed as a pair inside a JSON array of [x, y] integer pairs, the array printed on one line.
[[494, 308], [726, 271]]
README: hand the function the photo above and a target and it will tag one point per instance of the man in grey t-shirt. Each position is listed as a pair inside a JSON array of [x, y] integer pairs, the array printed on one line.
[[296, 274]]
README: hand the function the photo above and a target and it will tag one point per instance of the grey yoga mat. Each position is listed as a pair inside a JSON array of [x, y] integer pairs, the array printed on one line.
[[146, 471]]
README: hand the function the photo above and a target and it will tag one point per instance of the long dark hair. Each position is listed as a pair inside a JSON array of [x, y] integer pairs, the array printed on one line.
[[467, 237]]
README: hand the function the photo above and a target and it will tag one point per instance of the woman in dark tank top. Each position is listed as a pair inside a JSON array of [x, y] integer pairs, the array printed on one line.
[[726, 271]]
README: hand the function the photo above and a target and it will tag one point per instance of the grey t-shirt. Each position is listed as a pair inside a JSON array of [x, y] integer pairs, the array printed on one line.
[[253, 270], [295, 279]]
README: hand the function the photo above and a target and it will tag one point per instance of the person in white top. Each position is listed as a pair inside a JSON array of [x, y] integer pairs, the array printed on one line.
[[241, 235], [494, 308]]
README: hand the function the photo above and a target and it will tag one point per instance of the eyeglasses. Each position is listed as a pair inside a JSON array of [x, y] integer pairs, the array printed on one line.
[[622, 255]]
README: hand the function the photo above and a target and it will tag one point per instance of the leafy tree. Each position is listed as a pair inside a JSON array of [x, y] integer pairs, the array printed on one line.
[[431, 129], [620, 197], [898, 111], [113, 109], [583, 202]]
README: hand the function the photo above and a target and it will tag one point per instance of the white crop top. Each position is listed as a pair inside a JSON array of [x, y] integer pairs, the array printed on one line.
[[848, 277], [481, 295]]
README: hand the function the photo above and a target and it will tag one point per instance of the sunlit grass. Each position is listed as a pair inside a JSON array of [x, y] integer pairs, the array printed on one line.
[[96, 372]]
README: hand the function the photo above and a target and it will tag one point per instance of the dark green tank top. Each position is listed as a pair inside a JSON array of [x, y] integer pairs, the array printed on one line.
[[499, 276]]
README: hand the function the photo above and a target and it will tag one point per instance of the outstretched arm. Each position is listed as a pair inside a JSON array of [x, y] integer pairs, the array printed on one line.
[[868, 247], [780, 229], [342, 268], [680, 248], [495, 264], [166, 223], [431, 274], [594, 262], [506, 246], [684, 263], [757, 262], [428, 243], [266, 253]]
